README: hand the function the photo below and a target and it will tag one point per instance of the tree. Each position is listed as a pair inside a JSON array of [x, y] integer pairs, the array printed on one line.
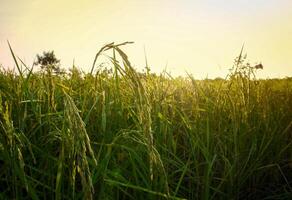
[[48, 62]]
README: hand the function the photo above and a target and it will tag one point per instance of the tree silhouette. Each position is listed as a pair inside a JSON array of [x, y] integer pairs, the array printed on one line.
[[48, 62]]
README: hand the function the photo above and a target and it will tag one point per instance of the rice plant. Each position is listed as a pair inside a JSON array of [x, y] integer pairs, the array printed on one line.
[[123, 134]]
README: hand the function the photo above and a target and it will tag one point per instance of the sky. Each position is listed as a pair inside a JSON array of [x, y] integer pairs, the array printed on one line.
[[201, 37]]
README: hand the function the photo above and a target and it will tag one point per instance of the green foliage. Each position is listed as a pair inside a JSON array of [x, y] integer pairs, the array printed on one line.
[[120, 134]]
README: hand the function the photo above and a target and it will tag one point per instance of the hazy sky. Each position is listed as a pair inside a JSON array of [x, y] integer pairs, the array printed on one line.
[[198, 36]]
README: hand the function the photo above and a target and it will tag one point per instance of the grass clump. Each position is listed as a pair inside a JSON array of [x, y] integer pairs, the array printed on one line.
[[122, 134]]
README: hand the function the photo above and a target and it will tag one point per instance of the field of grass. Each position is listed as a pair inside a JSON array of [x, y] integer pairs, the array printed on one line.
[[129, 135]]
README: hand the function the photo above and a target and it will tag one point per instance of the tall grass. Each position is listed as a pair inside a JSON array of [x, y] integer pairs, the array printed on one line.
[[130, 135]]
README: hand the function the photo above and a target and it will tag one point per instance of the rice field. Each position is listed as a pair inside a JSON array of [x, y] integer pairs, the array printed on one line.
[[124, 134]]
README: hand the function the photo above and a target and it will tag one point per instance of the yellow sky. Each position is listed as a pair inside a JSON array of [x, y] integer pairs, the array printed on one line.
[[198, 36]]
